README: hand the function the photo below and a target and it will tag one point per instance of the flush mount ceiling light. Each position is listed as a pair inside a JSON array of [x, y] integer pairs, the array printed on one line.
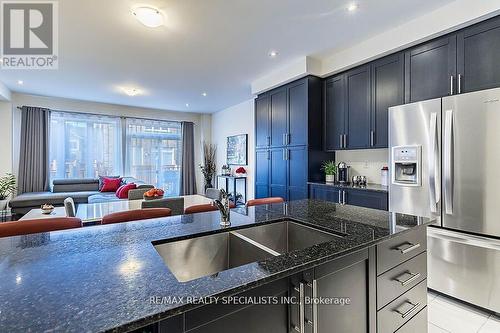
[[273, 54], [204, 94], [131, 91], [20, 82], [149, 16], [187, 105], [352, 7]]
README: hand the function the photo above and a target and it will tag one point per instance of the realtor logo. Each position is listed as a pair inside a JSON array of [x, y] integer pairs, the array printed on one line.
[[29, 34]]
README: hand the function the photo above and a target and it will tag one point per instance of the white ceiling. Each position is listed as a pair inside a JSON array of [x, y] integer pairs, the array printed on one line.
[[217, 46]]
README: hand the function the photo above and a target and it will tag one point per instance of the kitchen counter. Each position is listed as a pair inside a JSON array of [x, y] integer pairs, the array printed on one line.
[[367, 187], [102, 278]]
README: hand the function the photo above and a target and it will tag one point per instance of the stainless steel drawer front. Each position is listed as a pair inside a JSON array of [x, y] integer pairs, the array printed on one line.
[[397, 250], [402, 309], [465, 266], [400, 279]]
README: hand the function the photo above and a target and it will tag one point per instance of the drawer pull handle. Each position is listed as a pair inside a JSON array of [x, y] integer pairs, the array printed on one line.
[[408, 247], [296, 328], [412, 278], [409, 311]]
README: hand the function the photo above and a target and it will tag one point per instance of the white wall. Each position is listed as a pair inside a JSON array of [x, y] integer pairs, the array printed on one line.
[[5, 138], [364, 162], [201, 128], [237, 119]]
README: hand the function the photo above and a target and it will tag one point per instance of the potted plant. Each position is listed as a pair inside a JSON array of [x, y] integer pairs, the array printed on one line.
[[330, 170], [7, 187], [208, 168]]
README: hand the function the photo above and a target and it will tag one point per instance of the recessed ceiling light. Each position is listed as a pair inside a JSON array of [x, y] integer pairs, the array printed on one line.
[[352, 7], [149, 16], [131, 91], [204, 94], [273, 54], [20, 82], [187, 105]]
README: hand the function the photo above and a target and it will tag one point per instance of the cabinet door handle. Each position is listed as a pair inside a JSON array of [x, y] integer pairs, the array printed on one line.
[[451, 84], [268, 154], [341, 141], [409, 311], [343, 197], [268, 140], [459, 83], [407, 247], [340, 200], [284, 154], [315, 305], [413, 277], [372, 138], [288, 154], [288, 136], [302, 308], [345, 140], [283, 139]]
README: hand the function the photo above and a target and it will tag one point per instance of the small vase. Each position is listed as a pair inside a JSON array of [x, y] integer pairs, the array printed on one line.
[[208, 184], [330, 178]]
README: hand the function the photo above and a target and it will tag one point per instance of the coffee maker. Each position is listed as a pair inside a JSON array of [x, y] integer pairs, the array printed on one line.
[[342, 173]]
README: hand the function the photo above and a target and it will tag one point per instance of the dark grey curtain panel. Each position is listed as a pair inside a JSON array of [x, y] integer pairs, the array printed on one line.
[[188, 176], [34, 151]]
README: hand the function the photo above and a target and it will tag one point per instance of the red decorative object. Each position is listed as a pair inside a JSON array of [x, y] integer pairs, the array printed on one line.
[[154, 193], [241, 170], [110, 184], [122, 192]]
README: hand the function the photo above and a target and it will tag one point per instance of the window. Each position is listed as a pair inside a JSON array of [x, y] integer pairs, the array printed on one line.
[[84, 145], [153, 153]]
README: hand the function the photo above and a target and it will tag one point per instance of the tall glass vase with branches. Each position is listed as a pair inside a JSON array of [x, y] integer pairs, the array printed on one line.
[[209, 168]]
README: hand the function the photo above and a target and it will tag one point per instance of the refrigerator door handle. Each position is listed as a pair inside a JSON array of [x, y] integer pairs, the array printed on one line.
[[434, 179], [448, 162]]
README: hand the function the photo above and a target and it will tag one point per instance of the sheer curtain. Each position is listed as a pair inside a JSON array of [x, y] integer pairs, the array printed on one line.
[[153, 153], [84, 145]]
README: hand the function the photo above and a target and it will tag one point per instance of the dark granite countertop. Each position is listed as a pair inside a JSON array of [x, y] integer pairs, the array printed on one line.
[[367, 187], [102, 278]]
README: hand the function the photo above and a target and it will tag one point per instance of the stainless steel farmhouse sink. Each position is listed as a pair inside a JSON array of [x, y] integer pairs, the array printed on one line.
[[192, 258]]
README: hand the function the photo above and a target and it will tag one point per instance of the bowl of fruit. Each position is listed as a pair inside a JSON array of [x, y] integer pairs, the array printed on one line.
[[47, 209], [154, 193]]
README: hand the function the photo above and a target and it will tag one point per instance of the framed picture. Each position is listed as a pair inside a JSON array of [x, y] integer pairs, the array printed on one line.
[[237, 149]]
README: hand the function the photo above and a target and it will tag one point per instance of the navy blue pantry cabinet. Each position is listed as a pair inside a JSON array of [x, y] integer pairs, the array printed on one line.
[[288, 132], [262, 163]]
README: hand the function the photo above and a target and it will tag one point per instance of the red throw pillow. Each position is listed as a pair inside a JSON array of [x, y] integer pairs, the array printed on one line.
[[110, 184], [122, 192]]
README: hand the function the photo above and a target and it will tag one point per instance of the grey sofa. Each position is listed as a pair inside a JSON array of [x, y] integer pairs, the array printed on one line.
[[84, 190]]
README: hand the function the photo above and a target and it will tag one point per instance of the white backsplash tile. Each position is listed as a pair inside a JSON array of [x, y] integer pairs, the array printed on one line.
[[365, 162]]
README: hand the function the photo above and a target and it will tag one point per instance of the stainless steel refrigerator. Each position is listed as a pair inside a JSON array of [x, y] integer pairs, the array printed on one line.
[[445, 163]]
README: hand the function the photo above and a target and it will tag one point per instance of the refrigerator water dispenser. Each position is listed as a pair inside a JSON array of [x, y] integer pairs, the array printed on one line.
[[407, 165]]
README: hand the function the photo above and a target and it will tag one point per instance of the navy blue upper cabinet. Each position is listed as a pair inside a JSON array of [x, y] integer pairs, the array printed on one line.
[[278, 117], [262, 138], [430, 70], [297, 115], [358, 108], [262, 162], [334, 113], [387, 90], [478, 56]]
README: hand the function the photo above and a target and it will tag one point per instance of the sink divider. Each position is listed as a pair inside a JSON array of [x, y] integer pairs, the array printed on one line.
[[254, 243]]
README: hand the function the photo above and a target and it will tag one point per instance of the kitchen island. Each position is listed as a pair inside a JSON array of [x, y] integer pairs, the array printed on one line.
[[112, 277]]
